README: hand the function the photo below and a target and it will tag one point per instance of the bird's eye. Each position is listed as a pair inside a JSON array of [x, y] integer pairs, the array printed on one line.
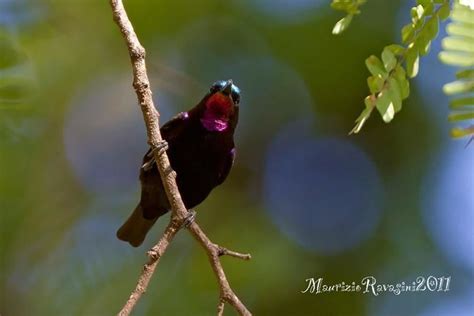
[[217, 86], [235, 94]]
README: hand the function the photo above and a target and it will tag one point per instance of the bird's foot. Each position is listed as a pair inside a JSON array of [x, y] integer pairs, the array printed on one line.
[[149, 164], [161, 148], [189, 218]]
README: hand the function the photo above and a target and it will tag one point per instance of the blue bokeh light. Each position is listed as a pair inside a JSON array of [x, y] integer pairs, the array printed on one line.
[[104, 136], [16, 12], [460, 305], [413, 301], [448, 203], [324, 194], [90, 246]]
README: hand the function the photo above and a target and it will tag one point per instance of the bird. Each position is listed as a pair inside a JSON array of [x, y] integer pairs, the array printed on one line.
[[200, 146]]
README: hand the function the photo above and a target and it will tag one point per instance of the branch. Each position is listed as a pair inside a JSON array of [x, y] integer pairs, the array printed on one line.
[[214, 252], [168, 176]]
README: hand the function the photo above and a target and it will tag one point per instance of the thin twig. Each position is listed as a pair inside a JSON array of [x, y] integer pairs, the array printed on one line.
[[213, 252], [154, 256], [168, 176], [220, 308]]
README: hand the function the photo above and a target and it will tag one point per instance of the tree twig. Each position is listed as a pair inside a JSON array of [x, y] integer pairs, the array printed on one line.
[[141, 85]]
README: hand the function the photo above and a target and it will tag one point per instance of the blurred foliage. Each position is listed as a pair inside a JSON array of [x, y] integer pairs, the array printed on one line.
[[17, 85], [459, 52], [58, 251]]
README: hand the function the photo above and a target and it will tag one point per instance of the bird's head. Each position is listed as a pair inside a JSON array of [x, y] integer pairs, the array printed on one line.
[[220, 106]]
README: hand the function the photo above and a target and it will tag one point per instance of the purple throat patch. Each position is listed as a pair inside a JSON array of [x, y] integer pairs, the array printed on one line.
[[213, 123]]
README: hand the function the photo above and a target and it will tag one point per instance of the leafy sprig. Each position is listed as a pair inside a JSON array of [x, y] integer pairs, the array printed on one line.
[[389, 81], [458, 51], [351, 7]]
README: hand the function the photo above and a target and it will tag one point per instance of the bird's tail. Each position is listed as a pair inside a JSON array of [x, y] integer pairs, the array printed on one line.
[[135, 228]]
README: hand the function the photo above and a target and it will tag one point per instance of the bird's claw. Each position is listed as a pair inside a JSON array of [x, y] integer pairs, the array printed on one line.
[[161, 148], [149, 164], [189, 219]]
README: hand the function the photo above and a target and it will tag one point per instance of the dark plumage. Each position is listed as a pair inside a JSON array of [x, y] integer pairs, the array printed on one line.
[[201, 151]]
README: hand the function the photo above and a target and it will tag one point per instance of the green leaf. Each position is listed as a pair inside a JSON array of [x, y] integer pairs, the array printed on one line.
[[461, 116], [350, 6], [463, 14], [385, 106], [362, 119], [462, 132], [458, 44], [342, 24], [343, 5], [389, 59], [397, 50], [412, 62], [424, 3], [423, 42], [460, 29], [408, 32], [425, 49], [458, 50], [417, 13], [394, 94], [375, 66], [465, 74], [461, 102], [459, 86], [457, 59], [429, 8], [427, 33], [432, 27], [403, 83], [444, 11], [375, 83]]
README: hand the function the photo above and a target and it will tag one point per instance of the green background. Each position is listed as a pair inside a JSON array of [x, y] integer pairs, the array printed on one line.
[[59, 255]]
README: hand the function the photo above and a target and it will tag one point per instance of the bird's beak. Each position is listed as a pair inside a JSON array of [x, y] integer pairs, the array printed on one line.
[[227, 90]]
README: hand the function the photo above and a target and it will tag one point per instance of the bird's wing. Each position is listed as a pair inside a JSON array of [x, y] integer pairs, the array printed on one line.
[[226, 166], [168, 132], [172, 127]]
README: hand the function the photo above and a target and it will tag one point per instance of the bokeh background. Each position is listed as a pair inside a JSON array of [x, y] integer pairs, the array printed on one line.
[[304, 198]]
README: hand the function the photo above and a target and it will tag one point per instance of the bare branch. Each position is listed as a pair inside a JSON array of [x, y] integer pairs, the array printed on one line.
[[226, 252], [168, 176], [154, 256], [220, 308], [213, 252]]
